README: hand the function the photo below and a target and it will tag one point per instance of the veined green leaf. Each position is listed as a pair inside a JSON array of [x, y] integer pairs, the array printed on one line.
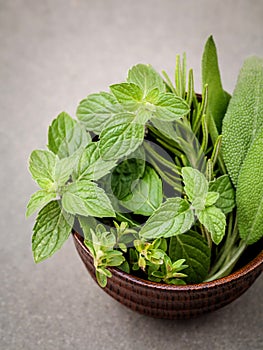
[[250, 193], [146, 78], [172, 218], [65, 136], [52, 228], [95, 110], [42, 166], [192, 247], [214, 221], [218, 99], [196, 186], [170, 107], [147, 195], [211, 198], [91, 166], [65, 167], [87, 223], [86, 198], [38, 200], [120, 137], [226, 200], [244, 117], [127, 92]]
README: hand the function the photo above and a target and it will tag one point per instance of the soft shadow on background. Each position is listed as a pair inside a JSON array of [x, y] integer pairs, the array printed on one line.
[[52, 54]]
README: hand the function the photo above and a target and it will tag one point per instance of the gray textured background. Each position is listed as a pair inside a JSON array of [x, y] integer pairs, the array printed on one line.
[[52, 54]]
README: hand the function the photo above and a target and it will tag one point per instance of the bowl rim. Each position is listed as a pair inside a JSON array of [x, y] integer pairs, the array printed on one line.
[[243, 271]]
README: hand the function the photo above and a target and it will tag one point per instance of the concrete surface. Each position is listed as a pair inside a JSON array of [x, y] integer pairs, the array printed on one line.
[[52, 54]]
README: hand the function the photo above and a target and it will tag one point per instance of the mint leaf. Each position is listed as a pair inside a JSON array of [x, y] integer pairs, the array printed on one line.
[[120, 137], [195, 186], [192, 247], [65, 136], [38, 200], [226, 200], [211, 198], [243, 119], [42, 167], [86, 198], [172, 218], [217, 98], [147, 195], [170, 107], [64, 168], [127, 92], [214, 221], [91, 166], [250, 193], [146, 78], [95, 110], [52, 228]]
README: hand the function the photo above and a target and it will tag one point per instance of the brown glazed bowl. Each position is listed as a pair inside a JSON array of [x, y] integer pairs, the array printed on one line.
[[170, 301]]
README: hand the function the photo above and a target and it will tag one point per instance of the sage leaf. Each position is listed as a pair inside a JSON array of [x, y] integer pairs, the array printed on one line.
[[127, 92], [38, 200], [170, 107], [173, 217], [91, 166], [214, 221], [195, 186], [146, 78], [244, 117], [192, 247], [52, 228], [42, 166], [249, 193], [147, 195], [65, 136], [218, 99], [86, 198], [120, 137], [95, 110], [226, 200]]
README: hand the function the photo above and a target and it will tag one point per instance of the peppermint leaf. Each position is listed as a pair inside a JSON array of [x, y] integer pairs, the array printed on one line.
[[214, 221], [172, 218], [192, 247], [120, 137], [86, 198], [147, 195], [42, 166], [170, 107], [226, 200], [52, 228], [91, 166], [38, 200], [211, 198], [196, 186], [127, 92], [65, 136], [65, 167], [95, 110], [146, 78]]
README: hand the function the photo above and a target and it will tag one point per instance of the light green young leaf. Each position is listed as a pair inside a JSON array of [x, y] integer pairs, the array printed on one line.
[[170, 107], [147, 195], [211, 198], [250, 193], [120, 137], [65, 136], [244, 117], [214, 221], [95, 110], [146, 78], [196, 186], [86, 198], [65, 167], [91, 166], [52, 228], [192, 247], [172, 218], [218, 99], [38, 200], [127, 92], [42, 166], [87, 223], [226, 200]]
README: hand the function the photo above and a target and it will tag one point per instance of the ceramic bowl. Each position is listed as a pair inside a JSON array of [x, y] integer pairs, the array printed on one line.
[[176, 302]]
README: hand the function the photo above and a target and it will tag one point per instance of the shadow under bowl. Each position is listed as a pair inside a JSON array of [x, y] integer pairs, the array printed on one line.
[[175, 302]]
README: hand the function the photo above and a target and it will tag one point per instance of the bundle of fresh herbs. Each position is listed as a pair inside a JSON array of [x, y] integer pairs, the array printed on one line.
[[163, 183]]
